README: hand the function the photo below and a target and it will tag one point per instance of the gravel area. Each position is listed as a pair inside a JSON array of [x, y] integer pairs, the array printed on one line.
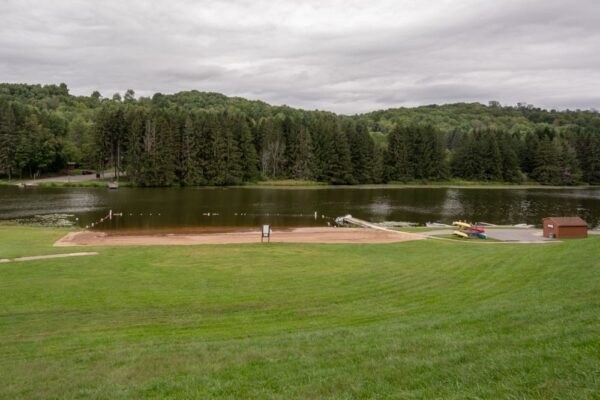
[[518, 235]]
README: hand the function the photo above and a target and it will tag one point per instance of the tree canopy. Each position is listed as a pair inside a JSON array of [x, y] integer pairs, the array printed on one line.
[[200, 138]]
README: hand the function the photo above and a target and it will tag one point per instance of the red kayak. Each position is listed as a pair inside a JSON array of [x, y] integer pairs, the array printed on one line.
[[477, 229]]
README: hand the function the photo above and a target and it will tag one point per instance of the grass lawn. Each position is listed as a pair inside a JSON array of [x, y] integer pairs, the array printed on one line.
[[92, 182], [424, 319], [288, 183]]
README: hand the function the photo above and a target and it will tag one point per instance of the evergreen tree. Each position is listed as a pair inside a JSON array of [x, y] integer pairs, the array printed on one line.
[[163, 163], [322, 135], [397, 156], [135, 122], [109, 137], [361, 151], [301, 152], [248, 156], [588, 153], [340, 163], [377, 167], [464, 164], [426, 157], [570, 173], [187, 168], [229, 153], [546, 167], [272, 149], [194, 138], [510, 160], [490, 156], [9, 139]]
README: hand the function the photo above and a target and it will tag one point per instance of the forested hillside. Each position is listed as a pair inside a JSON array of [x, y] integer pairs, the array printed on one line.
[[196, 138]]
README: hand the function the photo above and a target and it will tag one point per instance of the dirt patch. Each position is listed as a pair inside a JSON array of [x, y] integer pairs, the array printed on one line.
[[296, 235]]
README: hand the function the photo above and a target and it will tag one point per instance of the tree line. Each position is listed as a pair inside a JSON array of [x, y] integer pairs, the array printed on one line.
[[164, 147], [194, 138]]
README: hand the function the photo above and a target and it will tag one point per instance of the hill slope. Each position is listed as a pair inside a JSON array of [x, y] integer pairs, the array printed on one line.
[[199, 138], [301, 321]]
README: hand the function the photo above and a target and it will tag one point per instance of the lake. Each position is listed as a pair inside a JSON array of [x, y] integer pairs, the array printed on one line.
[[226, 208]]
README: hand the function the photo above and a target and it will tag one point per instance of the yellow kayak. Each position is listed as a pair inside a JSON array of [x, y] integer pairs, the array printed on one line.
[[461, 234], [461, 224]]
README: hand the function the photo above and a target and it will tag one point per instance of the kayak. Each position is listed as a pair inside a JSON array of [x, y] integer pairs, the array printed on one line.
[[461, 224], [461, 234], [436, 225]]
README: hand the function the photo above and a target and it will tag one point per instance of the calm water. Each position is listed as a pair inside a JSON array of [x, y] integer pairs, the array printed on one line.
[[246, 207]]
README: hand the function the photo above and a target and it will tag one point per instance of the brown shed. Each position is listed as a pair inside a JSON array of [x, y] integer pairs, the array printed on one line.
[[565, 227]]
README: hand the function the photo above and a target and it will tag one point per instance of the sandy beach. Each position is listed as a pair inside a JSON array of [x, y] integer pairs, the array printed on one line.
[[296, 235]]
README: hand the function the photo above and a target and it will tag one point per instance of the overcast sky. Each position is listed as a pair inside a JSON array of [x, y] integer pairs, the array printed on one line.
[[345, 56]]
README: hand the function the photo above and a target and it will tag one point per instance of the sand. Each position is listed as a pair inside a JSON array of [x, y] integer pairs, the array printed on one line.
[[296, 235]]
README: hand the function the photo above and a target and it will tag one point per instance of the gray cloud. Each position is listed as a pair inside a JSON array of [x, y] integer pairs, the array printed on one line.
[[345, 56]]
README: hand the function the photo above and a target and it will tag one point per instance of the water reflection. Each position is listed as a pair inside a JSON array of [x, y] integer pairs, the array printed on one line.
[[239, 207]]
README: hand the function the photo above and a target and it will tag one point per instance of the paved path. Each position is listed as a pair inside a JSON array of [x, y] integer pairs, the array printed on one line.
[[50, 256], [62, 178], [365, 224], [517, 235], [504, 235]]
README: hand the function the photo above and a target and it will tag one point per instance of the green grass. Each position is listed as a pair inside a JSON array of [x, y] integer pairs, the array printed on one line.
[[452, 183], [424, 319], [19, 241], [308, 184], [461, 183], [288, 182], [6, 182], [90, 183]]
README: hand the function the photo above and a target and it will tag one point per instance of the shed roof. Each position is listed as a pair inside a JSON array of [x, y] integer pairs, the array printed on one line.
[[568, 221]]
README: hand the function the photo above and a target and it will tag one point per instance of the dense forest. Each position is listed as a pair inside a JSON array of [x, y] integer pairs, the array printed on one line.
[[197, 138]]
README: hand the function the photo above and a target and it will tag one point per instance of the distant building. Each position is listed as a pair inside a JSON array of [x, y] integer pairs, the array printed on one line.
[[565, 227]]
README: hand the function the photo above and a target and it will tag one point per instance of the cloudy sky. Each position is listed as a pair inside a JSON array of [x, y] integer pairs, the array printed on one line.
[[346, 56]]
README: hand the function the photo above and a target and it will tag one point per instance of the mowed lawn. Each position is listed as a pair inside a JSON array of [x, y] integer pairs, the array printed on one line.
[[425, 319]]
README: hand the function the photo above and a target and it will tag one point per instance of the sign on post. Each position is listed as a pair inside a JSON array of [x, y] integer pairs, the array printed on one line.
[[266, 233]]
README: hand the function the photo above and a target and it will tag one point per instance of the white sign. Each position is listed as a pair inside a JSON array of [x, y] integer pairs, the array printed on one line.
[[266, 230]]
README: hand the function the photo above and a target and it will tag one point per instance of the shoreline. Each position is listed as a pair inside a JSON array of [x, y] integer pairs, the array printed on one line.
[[313, 186]]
